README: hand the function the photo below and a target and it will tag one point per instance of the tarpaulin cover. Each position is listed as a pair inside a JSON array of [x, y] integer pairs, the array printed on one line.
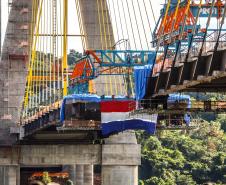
[[141, 75], [79, 98], [179, 97], [151, 58], [88, 98], [116, 98], [131, 124]]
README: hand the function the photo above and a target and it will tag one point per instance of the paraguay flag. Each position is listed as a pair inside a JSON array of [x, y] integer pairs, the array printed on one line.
[[115, 118]]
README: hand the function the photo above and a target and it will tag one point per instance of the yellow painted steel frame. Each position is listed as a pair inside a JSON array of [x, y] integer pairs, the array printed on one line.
[[65, 45]]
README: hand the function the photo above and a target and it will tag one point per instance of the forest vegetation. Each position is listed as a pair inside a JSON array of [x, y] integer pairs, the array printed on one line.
[[186, 157]]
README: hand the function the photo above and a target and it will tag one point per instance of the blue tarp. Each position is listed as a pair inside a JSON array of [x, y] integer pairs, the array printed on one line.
[[119, 98], [131, 124], [141, 75], [173, 98], [179, 97], [86, 98], [151, 58], [79, 98]]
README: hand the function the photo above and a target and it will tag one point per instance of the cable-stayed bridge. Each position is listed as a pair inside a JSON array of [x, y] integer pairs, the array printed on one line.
[[186, 53]]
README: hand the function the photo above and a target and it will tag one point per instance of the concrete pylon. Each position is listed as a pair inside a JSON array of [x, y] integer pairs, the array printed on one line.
[[16, 52], [95, 24], [120, 160], [14, 60], [13, 67], [16, 48]]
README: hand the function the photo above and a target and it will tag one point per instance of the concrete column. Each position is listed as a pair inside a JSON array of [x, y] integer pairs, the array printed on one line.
[[12, 91], [79, 175], [120, 160], [119, 175], [88, 174], [9, 175], [71, 169], [91, 26]]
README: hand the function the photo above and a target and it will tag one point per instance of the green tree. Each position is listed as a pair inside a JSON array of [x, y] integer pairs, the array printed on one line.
[[73, 56], [176, 158], [46, 178]]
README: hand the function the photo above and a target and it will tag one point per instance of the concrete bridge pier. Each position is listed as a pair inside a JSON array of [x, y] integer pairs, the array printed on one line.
[[9, 175], [119, 157], [120, 175], [119, 166], [88, 175], [80, 174]]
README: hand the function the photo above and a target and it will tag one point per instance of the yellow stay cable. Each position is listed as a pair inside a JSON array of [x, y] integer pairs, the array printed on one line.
[[120, 85], [47, 51], [81, 24], [30, 87], [103, 21], [25, 108], [39, 66], [34, 84], [61, 45], [110, 44], [54, 20], [36, 73], [57, 57], [43, 56], [98, 10], [65, 65], [125, 80], [107, 41], [107, 45], [131, 81], [100, 27], [108, 21], [51, 51], [33, 56]]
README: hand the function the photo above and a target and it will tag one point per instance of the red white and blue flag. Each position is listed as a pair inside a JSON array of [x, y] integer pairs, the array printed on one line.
[[115, 117]]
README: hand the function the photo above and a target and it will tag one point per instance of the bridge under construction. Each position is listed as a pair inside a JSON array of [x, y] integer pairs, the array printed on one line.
[[136, 72]]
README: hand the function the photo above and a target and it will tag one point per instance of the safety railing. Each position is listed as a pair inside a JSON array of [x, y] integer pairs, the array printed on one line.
[[209, 46], [155, 106], [121, 58], [41, 110]]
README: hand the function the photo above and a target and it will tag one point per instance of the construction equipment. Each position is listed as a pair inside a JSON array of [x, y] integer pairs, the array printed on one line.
[[38, 178]]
